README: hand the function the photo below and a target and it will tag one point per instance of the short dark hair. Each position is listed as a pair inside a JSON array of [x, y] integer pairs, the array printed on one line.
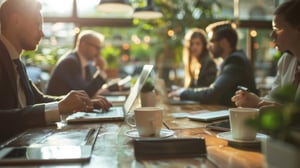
[[224, 29], [290, 10], [8, 7]]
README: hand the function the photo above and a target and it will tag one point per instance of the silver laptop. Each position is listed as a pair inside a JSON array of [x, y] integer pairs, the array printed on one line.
[[115, 112]]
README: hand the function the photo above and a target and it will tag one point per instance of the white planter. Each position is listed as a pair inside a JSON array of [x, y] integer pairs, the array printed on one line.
[[280, 155], [148, 99]]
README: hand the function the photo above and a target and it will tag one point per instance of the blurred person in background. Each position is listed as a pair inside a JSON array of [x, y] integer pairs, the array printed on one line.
[[199, 68], [235, 70], [76, 71]]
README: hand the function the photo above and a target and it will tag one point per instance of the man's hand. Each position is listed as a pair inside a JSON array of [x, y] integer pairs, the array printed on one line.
[[101, 103], [75, 101]]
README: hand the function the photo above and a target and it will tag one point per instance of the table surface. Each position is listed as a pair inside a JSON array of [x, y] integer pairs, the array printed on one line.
[[114, 149]]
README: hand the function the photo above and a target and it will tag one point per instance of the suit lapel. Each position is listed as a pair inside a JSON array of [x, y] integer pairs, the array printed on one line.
[[8, 66]]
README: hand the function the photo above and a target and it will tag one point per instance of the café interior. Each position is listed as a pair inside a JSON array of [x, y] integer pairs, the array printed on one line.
[[139, 32]]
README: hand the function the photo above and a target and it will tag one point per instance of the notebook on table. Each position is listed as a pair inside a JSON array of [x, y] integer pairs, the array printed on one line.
[[49, 146], [115, 113]]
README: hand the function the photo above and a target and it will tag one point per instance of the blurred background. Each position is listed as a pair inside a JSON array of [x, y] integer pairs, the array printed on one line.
[[132, 40]]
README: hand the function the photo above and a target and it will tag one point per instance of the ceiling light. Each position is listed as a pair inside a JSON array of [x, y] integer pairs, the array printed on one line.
[[148, 12], [114, 6]]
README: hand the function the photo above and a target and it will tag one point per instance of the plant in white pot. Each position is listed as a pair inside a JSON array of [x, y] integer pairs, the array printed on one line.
[[148, 95], [282, 124]]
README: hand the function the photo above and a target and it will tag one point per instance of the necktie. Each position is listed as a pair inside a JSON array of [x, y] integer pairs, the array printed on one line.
[[88, 75], [24, 81]]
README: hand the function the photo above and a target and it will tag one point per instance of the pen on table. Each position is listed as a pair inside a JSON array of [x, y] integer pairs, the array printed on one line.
[[243, 88]]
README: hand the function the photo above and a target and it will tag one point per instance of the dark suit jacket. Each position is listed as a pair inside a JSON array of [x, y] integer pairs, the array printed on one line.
[[208, 72], [67, 76], [14, 120], [236, 70]]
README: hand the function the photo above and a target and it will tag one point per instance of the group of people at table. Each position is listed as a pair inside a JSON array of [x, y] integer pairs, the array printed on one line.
[[76, 84]]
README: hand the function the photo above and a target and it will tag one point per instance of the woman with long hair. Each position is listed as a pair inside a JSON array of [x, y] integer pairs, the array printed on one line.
[[200, 69]]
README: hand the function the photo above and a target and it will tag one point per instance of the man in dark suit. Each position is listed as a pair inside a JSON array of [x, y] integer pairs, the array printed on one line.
[[22, 105], [236, 69], [73, 70]]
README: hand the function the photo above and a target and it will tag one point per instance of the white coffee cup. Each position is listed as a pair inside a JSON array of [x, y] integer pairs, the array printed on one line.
[[239, 129], [148, 120]]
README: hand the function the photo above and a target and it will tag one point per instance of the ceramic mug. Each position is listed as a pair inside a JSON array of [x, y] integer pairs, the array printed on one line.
[[147, 120], [239, 129]]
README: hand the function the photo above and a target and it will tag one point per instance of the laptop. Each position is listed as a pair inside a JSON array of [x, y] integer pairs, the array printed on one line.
[[163, 91], [49, 145], [115, 113], [205, 115]]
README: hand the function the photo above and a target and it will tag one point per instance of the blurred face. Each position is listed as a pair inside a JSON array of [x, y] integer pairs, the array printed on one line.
[[92, 48], [196, 47], [214, 46], [29, 31], [285, 37]]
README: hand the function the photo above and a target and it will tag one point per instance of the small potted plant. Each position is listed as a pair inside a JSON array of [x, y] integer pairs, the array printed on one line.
[[148, 95], [282, 124]]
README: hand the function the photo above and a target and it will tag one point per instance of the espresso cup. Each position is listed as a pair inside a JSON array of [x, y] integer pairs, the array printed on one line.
[[148, 121], [239, 129]]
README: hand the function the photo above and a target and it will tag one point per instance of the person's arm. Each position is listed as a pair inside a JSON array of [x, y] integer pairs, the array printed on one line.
[[221, 91]]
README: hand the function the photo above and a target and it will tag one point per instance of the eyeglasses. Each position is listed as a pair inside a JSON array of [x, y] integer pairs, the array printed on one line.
[[94, 45]]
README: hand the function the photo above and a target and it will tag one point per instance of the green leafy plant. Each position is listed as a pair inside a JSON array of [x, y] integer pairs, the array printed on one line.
[[111, 55], [148, 86], [281, 122]]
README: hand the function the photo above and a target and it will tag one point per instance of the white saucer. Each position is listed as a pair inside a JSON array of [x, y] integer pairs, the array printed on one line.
[[227, 136], [164, 133]]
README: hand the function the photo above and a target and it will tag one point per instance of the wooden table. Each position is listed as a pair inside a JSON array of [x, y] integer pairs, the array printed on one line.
[[114, 149]]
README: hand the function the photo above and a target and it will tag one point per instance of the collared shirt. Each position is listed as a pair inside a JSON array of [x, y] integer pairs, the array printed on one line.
[[84, 62], [51, 109]]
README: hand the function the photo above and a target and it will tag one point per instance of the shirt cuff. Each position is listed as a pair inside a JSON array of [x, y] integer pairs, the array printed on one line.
[[51, 112], [179, 91]]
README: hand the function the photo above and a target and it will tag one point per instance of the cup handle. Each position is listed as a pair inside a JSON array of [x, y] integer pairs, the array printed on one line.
[[130, 120]]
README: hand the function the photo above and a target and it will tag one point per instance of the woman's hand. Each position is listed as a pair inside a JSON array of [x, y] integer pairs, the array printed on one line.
[[245, 99]]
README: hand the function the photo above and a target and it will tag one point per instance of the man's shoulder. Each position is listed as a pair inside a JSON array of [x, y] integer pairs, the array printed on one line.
[[68, 57], [239, 56]]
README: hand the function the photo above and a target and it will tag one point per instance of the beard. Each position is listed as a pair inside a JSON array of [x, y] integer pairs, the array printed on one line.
[[217, 52]]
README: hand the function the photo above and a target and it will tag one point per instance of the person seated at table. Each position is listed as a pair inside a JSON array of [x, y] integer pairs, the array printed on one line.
[[199, 68], [286, 36], [22, 105], [235, 70], [73, 70]]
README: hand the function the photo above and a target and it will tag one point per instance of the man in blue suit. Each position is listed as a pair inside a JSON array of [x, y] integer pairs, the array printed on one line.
[[22, 105]]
